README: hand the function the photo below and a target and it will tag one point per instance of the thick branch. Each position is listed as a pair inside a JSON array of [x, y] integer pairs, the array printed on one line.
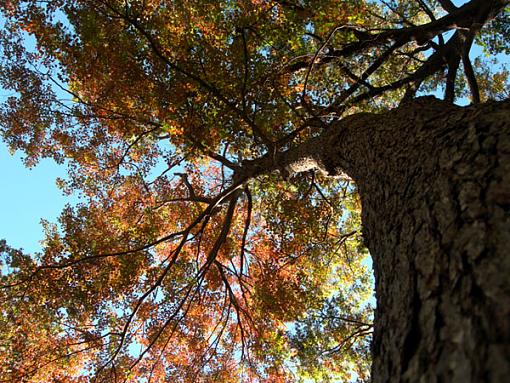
[[476, 11]]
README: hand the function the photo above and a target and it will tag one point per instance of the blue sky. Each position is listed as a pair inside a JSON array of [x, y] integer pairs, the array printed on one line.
[[26, 196]]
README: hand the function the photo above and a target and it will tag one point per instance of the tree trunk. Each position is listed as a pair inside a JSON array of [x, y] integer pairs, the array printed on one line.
[[434, 181]]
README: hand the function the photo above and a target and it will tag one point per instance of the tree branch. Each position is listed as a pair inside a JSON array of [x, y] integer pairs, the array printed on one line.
[[448, 5], [469, 71]]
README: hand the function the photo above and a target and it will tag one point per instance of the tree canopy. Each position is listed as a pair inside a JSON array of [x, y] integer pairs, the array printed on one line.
[[197, 253]]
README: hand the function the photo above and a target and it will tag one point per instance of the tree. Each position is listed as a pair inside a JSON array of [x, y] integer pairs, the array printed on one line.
[[214, 144]]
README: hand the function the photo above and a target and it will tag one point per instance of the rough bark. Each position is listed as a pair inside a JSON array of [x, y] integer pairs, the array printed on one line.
[[434, 181]]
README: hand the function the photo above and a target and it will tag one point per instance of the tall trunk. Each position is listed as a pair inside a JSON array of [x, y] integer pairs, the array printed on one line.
[[434, 181]]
